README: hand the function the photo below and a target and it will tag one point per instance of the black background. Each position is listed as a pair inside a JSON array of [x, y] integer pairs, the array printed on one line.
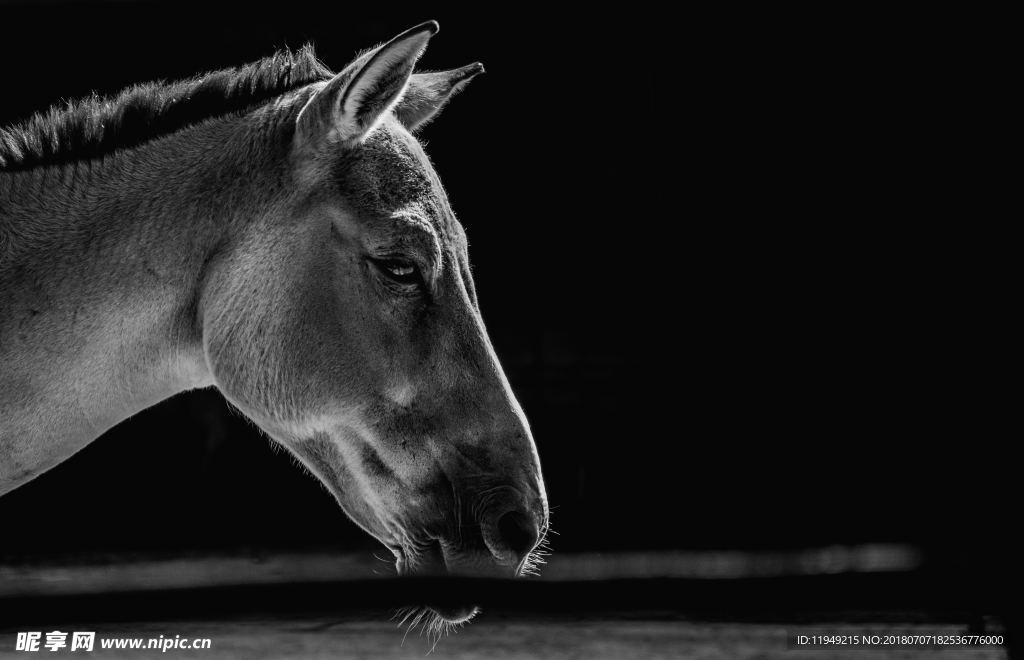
[[723, 259]]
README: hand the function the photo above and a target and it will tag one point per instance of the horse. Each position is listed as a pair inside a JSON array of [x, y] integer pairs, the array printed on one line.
[[275, 231]]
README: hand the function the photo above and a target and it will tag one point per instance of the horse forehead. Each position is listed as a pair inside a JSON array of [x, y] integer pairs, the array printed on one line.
[[390, 172]]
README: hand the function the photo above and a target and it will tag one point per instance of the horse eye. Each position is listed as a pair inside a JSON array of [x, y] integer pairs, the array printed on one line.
[[400, 271]]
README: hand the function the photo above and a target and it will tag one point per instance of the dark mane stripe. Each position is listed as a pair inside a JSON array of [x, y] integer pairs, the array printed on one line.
[[96, 126]]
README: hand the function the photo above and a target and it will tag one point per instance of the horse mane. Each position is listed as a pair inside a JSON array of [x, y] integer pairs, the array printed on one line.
[[96, 126]]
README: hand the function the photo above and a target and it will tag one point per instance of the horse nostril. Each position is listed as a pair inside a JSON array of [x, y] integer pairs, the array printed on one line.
[[518, 532]]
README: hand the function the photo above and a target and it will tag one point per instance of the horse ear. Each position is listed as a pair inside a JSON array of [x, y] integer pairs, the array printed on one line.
[[352, 102], [428, 92]]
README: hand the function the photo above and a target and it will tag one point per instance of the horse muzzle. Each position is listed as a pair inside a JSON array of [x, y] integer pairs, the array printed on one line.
[[499, 548]]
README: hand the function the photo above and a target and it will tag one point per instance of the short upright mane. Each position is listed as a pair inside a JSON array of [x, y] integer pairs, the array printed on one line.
[[96, 126]]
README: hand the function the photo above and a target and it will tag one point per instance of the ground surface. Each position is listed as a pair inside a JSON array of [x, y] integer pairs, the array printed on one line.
[[489, 639], [586, 606]]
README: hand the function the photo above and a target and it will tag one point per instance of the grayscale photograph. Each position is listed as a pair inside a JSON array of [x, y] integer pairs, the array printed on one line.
[[352, 331]]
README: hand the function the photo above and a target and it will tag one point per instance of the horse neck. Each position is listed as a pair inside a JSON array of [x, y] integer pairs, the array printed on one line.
[[101, 270]]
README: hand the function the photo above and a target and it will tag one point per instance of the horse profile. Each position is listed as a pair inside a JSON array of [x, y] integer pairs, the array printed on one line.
[[275, 231]]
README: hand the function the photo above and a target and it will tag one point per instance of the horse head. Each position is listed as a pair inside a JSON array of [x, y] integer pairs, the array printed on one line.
[[345, 323]]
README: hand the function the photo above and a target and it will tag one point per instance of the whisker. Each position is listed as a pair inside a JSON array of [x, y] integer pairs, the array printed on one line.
[[415, 622], [537, 557], [405, 613]]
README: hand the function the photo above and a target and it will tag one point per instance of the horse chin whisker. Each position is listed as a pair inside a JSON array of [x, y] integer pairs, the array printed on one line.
[[438, 627], [418, 614], [402, 615]]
